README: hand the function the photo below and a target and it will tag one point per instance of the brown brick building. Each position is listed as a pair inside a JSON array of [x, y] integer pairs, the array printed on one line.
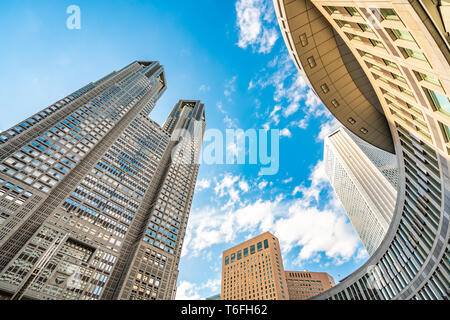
[[253, 270], [303, 285]]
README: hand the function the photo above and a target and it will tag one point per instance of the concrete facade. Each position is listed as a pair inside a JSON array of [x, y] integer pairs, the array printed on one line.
[[402, 47], [363, 190]]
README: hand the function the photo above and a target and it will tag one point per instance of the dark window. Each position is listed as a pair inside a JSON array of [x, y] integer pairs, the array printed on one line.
[[259, 246], [266, 244]]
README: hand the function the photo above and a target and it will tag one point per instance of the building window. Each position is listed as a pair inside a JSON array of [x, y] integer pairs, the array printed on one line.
[[352, 11], [351, 120], [331, 9], [390, 63], [252, 249], [324, 88], [375, 67], [407, 91], [401, 34], [413, 54], [352, 36], [304, 39], [388, 14], [259, 246], [233, 257], [245, 252], [342, 23], [422, 76], [376, 43], [440, 101], [266, 244], [311, 62], [365, 27], [446, 132]]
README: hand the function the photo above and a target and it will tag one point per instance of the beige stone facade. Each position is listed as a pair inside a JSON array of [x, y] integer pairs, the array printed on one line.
[[359, 56]]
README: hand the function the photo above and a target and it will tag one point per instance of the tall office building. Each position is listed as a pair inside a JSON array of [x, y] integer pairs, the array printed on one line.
[[303, 285], [363, 179], [382, 69], [95, 196], [253, 270]]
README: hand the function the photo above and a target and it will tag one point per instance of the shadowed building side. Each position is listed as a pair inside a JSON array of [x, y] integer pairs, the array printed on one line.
[[94, 199]]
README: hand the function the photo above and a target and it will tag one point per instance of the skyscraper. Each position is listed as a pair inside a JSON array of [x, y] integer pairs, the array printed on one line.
[[366, 194], [95, 196], [253, 270], [381, 68]]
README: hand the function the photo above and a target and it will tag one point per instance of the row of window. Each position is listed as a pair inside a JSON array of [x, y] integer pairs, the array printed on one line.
[[245, 252]]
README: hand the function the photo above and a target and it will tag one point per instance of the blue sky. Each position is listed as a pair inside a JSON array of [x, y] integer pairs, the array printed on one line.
[[230, 55]]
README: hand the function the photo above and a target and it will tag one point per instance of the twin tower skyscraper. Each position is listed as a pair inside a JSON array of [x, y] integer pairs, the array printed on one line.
[[95, 196]]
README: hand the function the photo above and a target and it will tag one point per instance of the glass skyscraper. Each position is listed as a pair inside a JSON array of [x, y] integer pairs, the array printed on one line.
[[95, 196]]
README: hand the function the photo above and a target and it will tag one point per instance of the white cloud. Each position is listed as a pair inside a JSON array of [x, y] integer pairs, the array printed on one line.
[[319, 180], [225, 184], [243, 185], [313, 222], [190, 291], [204, 88], [220, 107], [187, 291], [315, 104], [232, 149], [291, 93], [262, 184], [255, 21], [328, 127], [268, 39], [302, 123], [285, 133], [287, 180], [291, 109], [228, 121], [316, 231], [202, 184], [362, 254], [274, 116], [230, 86]]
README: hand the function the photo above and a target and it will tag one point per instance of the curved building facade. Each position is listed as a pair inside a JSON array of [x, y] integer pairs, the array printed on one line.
[[382, 69]]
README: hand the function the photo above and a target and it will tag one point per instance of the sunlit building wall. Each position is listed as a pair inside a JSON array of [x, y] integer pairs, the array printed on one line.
[[366, 194], [382, 69]]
